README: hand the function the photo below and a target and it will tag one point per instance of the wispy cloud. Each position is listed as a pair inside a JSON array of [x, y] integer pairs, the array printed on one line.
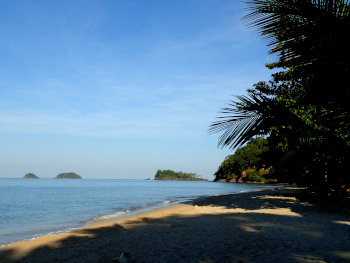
[[123, 70]]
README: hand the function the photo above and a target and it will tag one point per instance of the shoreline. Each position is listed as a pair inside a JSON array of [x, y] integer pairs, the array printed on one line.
[[269, 225], [113, 220], [110, 217], [100, 220]]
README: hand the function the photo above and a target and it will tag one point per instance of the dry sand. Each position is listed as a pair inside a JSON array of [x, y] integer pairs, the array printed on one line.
[[265, 226]]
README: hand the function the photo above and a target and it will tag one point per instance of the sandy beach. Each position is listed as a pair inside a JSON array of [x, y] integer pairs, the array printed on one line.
[[265, 226]]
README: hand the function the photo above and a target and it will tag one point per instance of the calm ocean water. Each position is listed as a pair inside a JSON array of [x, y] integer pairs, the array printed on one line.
[[33, 207]]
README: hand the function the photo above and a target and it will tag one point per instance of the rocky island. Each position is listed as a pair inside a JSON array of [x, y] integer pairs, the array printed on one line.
[[68, 176], [178, 176], [30, 176]]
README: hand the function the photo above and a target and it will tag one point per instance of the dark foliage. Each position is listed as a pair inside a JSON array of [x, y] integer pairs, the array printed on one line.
[[171, 175], [304, 108]]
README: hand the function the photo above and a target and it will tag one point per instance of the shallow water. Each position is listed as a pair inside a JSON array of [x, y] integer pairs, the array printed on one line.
[[33, 207]]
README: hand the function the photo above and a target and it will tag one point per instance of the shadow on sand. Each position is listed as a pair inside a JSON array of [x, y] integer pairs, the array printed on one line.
[[309, 234]]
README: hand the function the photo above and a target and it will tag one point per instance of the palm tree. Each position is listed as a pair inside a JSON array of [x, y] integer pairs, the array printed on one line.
[[310, 38], [305, 106], [258, 113]]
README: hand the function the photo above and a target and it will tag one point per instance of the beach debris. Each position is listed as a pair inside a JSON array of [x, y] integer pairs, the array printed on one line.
[[123, 258]]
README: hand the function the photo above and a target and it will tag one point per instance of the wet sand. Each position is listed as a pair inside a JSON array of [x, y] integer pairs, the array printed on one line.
[[265, 226]]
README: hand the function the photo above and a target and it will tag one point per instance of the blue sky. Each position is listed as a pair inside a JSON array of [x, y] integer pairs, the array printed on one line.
[[119, 89]]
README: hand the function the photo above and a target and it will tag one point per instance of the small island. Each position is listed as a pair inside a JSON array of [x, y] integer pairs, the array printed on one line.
[[68, 176], [178, 176], [30, 176]]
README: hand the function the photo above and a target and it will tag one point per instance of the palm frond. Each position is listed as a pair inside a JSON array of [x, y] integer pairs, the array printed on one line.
[[292, 27], [241, 121], [253, 115]]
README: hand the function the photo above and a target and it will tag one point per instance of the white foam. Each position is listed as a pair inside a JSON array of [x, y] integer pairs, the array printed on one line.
[[110, 216]]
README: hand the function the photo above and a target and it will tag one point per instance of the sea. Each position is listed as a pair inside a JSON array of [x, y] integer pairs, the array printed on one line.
[[30, 208]]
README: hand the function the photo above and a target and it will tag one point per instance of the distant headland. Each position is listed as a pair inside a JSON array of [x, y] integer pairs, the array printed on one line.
[[68, 176], [177, 176], [30, 176]]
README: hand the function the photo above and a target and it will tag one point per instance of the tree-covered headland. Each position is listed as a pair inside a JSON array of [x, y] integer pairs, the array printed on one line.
[[68, 176], [303, 110], [247, 164], [172, 175], [30, 176]]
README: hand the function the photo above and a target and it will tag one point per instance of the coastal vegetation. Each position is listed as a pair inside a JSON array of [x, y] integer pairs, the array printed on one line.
[[303, 109], [68, 176], [30, 176], [246, 164], [171, 175]]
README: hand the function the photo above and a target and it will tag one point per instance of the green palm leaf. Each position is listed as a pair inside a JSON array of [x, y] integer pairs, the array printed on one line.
[[243, 120]]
